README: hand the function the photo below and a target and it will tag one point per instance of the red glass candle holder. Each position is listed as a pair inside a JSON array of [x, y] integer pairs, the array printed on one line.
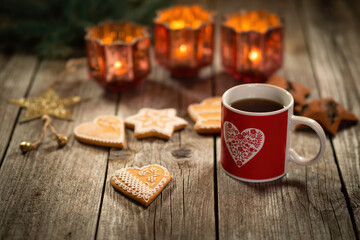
[[252, 45], [184, 39], [118, 54]]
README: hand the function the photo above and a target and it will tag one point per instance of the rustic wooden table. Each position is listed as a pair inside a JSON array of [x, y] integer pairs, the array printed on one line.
[[65, 193]]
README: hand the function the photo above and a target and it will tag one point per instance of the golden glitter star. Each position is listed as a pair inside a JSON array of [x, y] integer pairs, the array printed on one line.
[[49, 103], [150, 122]]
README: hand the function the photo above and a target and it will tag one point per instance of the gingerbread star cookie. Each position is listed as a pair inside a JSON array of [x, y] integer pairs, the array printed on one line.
[[206, 115], [150, 122], [141, 184], [328, 113], [298, 91], [103, 131]]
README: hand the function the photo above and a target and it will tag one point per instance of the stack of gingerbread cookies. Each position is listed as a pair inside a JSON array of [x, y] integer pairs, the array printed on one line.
[[326, 111]]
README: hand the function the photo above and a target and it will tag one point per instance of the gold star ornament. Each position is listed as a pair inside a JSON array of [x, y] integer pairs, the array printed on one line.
[[49, 102]]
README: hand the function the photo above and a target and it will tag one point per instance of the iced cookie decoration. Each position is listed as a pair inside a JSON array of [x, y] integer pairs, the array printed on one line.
[[206, 115], [298, 91], [103, 131], [244, 145], [150, 122], [141, 184]]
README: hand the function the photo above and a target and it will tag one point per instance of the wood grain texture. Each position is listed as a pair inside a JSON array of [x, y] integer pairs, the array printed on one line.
[[308, 202], [4, 59], [15, 78], [185, 208], [335, 53], [65, 193], [55, 193]]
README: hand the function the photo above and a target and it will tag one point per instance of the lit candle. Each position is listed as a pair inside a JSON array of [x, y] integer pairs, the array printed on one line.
[[118, 54], [183, 49], [117, 64], [181, 53], [255, 38], [119, 68], [255, 56], [184, 39]]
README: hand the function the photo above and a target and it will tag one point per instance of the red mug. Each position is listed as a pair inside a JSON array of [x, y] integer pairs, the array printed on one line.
[[255, 146]]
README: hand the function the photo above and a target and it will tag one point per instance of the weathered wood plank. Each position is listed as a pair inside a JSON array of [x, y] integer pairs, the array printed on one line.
[[335, 53], [354, 10], [4, 59], [15, 77], [55, 193], [185, 209], [308, 202]]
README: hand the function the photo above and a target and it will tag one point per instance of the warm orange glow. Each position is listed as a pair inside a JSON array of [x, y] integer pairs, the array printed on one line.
[[254, 55], [252, 21], [129, 39], [107, 40], [120, 68], [182, 53], [177, 24], [118, 64], [179, 17], [183, 48], [120, 32]]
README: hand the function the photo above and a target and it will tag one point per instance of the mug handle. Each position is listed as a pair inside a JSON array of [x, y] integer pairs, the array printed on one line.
[[293, 156]]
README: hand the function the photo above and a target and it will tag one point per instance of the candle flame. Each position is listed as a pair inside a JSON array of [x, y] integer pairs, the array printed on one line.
[[119, 68], [254, 55], [183, 48], [117, 64]]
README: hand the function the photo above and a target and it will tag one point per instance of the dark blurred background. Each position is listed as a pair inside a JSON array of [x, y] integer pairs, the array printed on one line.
[[55, 28]]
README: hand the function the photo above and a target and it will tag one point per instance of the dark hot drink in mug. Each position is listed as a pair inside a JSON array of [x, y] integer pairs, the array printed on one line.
[[256, 124], [257, 105]]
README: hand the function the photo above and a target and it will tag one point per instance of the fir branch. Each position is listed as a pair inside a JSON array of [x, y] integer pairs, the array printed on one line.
[[55, 28]]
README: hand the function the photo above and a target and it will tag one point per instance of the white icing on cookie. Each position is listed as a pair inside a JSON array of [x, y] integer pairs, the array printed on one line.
[[133, 185], [152, 121]]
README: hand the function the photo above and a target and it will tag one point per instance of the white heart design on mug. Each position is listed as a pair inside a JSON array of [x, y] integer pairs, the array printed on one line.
[[245, 145]]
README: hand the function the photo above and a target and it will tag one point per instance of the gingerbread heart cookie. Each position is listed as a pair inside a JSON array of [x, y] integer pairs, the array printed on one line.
[[141, 184], [206, 115], [103, 131], [243, 146]]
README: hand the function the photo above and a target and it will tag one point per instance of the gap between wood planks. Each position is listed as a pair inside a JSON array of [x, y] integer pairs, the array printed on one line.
[[216, 199], [344, 190], [37, 66], [343, 185], [118, 97], [298, 8]]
